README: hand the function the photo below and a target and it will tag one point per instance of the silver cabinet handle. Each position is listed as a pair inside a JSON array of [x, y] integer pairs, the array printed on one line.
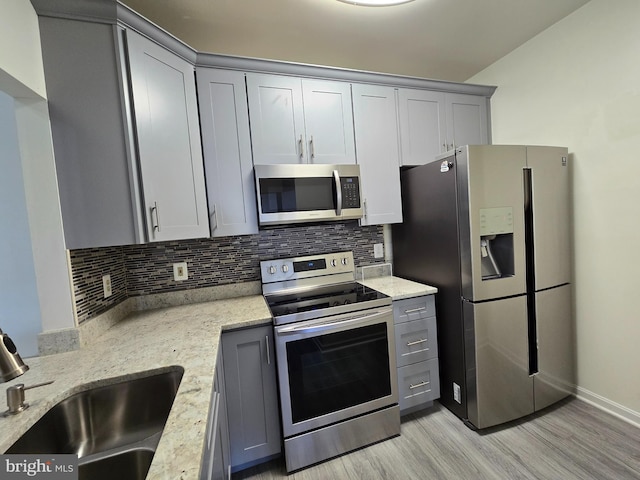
[[336, 179], [411, 310], [301, 145], [312, 148], [155, 224], [444, 147], [364, 208], [266, 342], [416, 342], [214, 217], [421, 384]]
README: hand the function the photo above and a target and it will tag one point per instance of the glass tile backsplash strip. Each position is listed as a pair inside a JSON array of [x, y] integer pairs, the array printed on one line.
[[145, 269]]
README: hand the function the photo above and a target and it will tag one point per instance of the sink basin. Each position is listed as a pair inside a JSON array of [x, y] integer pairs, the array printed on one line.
[[114, 428]]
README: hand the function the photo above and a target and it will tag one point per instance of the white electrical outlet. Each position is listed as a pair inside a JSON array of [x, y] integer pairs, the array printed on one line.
[[180, 271], [106, 285], [456, 392], [378, 250]]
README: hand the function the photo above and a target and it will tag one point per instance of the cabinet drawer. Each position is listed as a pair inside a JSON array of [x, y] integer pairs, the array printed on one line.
[[414, 308], [418, 383], [416, 341]]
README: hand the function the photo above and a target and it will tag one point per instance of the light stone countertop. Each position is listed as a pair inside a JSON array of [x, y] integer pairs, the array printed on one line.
[[398, 288], [156, 340]]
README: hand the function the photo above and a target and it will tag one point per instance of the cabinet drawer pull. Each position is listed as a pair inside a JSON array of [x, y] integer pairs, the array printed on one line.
[[214, 217], [155, 224], [421, 384], [301, 145], [266, 342], [412, 310], [312, 149], [416, 342]]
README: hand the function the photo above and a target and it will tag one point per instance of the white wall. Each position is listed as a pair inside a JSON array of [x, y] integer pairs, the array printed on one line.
[[22, 78], [19, 304], [577, 84]]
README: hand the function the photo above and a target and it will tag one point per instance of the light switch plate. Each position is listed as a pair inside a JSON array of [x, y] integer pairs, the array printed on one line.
[[378, 250], [180, 271]]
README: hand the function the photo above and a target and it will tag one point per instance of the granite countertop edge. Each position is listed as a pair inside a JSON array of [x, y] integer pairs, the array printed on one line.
[[398, 288], [142, 344]]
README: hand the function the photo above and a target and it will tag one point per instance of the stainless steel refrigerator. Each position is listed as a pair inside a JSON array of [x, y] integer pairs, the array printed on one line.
[[489, 225]]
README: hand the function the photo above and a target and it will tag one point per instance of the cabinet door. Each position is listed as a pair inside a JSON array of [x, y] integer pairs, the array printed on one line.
[[328, 122], [466, 120], [251, 392], [168, 134], [227, 152], [277, 119], [422, 125], [376, 132]]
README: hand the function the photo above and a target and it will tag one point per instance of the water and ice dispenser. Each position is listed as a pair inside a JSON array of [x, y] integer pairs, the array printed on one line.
[[496, 242]]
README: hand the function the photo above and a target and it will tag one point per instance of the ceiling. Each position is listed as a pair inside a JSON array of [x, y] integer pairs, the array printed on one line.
[[439, 39]]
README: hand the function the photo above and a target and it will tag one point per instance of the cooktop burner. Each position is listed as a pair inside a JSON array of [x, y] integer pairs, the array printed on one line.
[[303, 288]]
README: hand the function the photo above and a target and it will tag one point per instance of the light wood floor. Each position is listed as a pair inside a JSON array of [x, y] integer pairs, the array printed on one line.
[[571, 440]]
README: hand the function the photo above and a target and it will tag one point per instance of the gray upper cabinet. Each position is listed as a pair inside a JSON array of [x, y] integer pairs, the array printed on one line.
[[434, 122], [128, 155], [224, 120], [376, 133], [297, 120], [168, 138]]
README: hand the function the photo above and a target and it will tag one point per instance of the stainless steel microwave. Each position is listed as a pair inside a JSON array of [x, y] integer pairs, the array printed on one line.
[[307, 193]]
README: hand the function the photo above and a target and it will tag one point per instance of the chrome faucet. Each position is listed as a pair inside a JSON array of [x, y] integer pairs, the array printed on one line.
[[12, 366]]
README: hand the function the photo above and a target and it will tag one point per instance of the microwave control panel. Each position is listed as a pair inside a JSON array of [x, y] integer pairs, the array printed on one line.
[[350, 192]]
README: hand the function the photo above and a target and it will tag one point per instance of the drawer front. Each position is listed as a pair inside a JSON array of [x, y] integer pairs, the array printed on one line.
[[416, 341], [414, 309], [418, 383]]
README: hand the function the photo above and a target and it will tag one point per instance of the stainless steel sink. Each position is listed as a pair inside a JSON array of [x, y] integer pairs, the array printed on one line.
[[111, 428]]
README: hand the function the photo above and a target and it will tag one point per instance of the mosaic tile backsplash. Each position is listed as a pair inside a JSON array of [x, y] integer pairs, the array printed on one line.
[[144, 269]]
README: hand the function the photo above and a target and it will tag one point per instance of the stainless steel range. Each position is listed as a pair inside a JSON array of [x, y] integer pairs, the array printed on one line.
[[335, 354]]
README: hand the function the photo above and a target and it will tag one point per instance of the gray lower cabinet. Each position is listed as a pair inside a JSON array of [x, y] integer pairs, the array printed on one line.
[[216, 458], [252, 396], [416, 340], [124, 122]]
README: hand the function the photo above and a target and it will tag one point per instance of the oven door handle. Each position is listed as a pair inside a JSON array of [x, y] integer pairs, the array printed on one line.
[[319, 327]]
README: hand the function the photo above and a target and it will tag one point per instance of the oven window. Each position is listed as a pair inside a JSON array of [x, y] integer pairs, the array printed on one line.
[[297, 194], [331, 372]]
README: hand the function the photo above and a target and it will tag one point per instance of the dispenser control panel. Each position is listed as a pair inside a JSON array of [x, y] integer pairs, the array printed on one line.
[[495, 221]]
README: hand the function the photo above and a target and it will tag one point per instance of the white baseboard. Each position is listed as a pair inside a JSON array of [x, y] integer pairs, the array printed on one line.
[[609, 406]]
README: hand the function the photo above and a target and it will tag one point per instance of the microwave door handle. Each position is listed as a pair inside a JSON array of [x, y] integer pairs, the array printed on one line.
[[336, 179]]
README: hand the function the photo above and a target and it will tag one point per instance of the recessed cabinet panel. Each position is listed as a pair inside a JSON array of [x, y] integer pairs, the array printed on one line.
[[168, 139], [297, 120], [416, 341], [277, 119], [252, 396], [419, 383], [422, 124], [376, 132], [466, 119], [328, 122], [227, 152]]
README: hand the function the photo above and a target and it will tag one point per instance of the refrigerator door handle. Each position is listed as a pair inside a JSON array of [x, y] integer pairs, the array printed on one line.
[[530, 271]]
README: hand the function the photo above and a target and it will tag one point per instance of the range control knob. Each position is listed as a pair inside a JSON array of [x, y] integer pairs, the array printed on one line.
[[345, 261], [272, 270], [285, 268], [333, 262]]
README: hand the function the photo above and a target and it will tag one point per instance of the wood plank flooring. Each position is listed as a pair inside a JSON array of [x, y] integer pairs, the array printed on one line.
[[571, 440]]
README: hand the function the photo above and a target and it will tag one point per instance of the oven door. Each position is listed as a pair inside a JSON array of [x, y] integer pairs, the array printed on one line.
[[334, 368]]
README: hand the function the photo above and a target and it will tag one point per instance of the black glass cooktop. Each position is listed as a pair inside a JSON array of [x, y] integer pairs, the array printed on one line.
[[324, 301]]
